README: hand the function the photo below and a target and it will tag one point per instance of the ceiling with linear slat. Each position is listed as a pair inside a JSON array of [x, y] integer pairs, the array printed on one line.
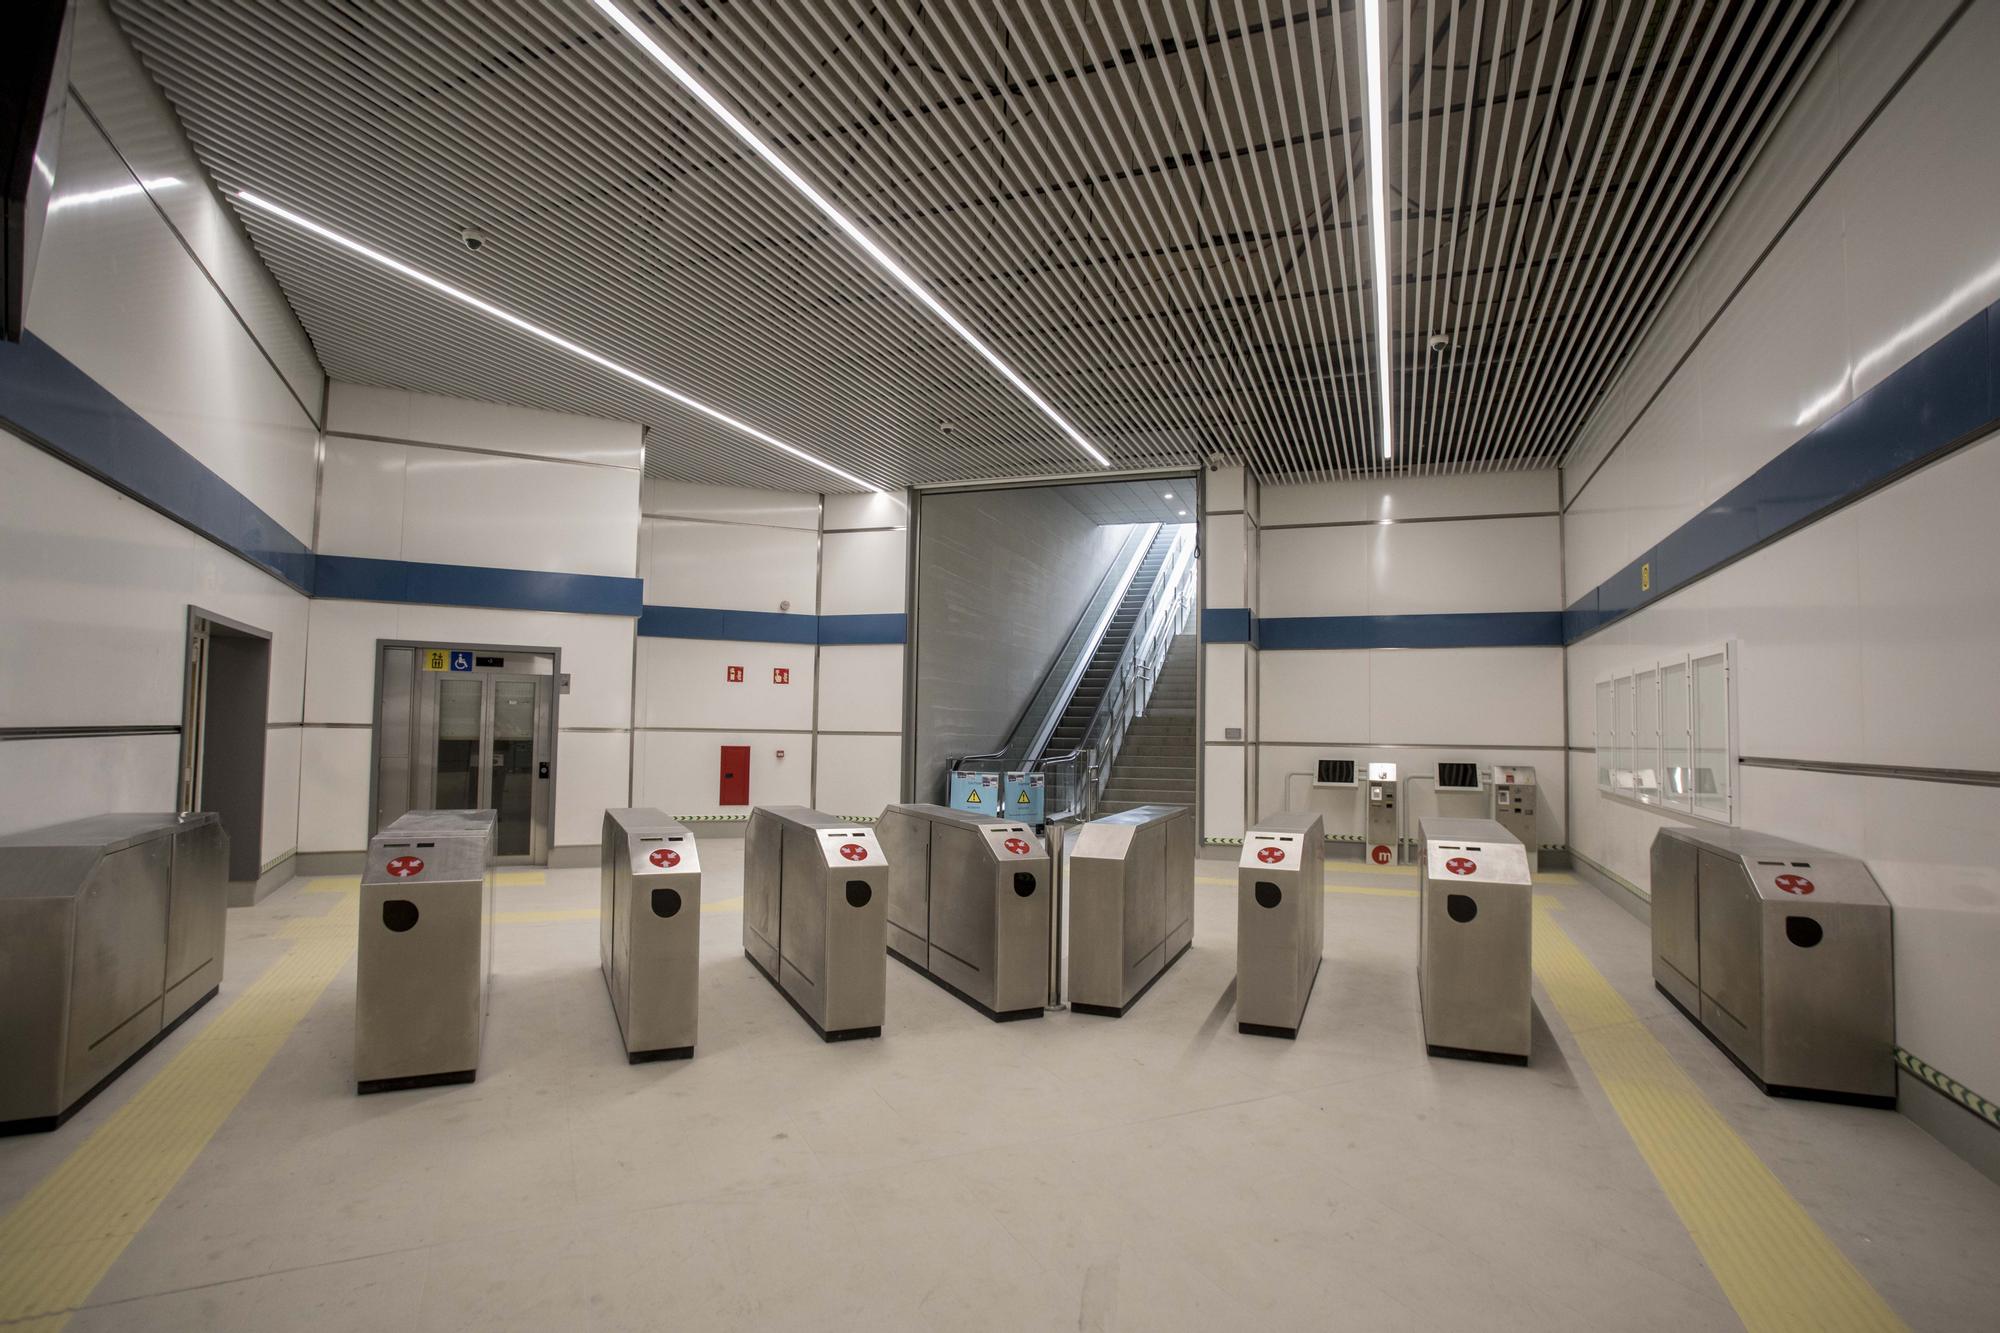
[[1158, 213]]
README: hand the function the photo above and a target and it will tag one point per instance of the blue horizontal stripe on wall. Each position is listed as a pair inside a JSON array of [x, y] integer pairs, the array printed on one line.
[[883, 627], [699, 622], [48, 399], [1475, 629], [1946, 395], [1228, 624], [362, 579]]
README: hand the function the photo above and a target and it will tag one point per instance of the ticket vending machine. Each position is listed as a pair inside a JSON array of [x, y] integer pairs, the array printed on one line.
[[1381, 841], [1510, 801]]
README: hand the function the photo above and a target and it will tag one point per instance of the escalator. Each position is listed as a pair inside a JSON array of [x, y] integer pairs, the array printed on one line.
[[1075, 718]]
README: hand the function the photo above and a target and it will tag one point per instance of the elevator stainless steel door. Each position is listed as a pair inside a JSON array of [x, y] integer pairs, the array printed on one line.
[[478, 739]]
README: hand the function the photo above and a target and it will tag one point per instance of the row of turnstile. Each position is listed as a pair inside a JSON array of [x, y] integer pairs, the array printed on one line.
[[113, 933]]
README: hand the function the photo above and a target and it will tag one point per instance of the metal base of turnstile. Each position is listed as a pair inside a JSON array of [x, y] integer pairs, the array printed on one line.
[[1289, 1034], [43, 1124], [663, 1053], [997, 1015], [1779, 1089], [368, 1085], [1119, 1011], [839, 1034], [1483, 1057]]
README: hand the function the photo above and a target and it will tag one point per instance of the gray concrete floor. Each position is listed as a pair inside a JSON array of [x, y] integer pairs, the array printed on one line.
[[1158, 1171]]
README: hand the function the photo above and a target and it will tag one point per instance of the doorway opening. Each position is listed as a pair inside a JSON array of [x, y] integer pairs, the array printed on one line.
[[224, 725], [468, 728]]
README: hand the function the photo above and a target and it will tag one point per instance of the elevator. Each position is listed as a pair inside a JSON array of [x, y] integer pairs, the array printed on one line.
[[468, 728]]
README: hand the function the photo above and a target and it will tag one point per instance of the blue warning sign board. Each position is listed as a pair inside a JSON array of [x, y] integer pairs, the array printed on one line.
[[977, 792]]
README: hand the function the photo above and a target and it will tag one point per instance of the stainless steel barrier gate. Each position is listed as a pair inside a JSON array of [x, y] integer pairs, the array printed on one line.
[[1280, 922], [1131, 904], [815, 916], [1474, 940], [111, 933], [425, 952], [1783, 955], [969, 902], [649, 932]]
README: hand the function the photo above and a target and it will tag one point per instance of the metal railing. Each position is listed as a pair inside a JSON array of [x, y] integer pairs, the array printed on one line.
[[1038, 720], [1075, 779]]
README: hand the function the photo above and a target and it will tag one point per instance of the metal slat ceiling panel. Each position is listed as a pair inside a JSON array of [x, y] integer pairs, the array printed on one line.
[[1157, 213]]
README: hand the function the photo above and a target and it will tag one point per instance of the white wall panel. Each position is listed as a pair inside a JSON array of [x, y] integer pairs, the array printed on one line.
[[1464, 696], [869, 510], [1225, 561], [53, 781], [398, 414], [729, 566], [1224, 690], [136, 117], [340, 658], [592, 776], [281, 792], [361, 499], [93, 623], [117, 295], [516, 513], [1315, 696], [730, 504], [679, 771], [333, 788], [1493, 565], [858, 775], [1222, 790], [861, 687], [1313, 572], [1223, 490], [862, 573], [685, 683]]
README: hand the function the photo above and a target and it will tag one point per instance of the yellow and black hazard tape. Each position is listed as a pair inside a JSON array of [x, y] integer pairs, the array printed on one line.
[[740, 819], [1940, 1081]]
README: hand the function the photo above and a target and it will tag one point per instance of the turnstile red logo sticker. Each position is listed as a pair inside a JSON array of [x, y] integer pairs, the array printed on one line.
[[1380, 854], [1017, 846], [1458, 865], [405, 866], [1270, 856], [1794, 884], [665, 856], [854, 851]]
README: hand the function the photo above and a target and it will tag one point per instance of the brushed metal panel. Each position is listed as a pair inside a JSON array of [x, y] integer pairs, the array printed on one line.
[[655, 959], [906, 836], [36, 958], [1676, 923], [197, 910], [1732, 980], [121, 961], [763, 866], [1475, 952]]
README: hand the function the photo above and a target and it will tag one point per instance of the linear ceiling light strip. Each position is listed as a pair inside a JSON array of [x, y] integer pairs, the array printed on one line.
[[1035, 315], [882, 258], [537, 331], [1338, 234], [566, 247], [1330, 309], [1378, 218], [1465, 219]]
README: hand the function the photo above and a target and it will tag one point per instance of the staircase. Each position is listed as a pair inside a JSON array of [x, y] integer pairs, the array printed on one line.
[[1155, 765], [1075, 720]]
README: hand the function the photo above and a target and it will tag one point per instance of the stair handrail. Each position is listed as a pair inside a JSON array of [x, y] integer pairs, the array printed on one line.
[[1089, 632], [1073, 781]]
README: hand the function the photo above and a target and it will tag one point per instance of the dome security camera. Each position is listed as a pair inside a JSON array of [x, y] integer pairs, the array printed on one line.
[[473, 238], [1439, 343]]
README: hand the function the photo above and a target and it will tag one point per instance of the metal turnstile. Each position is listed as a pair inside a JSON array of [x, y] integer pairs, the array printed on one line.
[[1131, 904], [111, 933], [1382, 840], [815, 916], [1510, 803], [425, 951], [1280, 922], [1474, 940], [649, 932], [1783, 955], [969, 902]]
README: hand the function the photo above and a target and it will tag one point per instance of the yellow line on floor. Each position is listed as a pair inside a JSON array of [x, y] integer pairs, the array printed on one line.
[[1774, 1263], [62, 1238], [509, 879], [725, 905], [546, 917]]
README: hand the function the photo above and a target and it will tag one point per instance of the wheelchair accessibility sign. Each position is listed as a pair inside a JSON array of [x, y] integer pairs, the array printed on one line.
[[447, 659]]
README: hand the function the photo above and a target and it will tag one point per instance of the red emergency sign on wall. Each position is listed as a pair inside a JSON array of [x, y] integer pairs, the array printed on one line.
[[781, 675], [736, 675]]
